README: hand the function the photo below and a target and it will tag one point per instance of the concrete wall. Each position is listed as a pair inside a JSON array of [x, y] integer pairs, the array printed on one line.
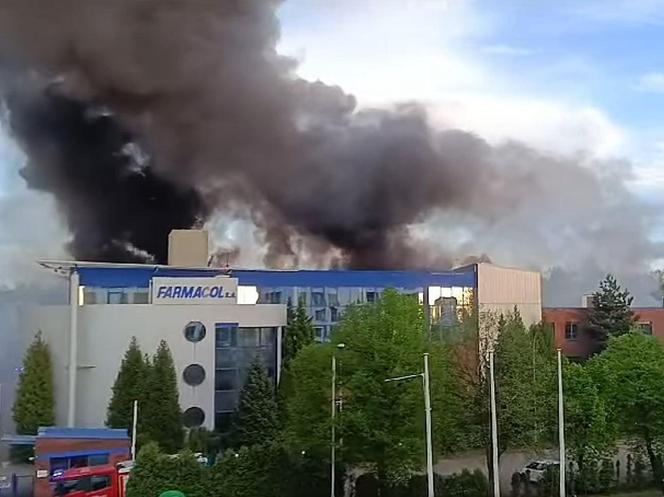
[[105, 332], [53, 322], [188, 248], [500, 289], [11, 354]]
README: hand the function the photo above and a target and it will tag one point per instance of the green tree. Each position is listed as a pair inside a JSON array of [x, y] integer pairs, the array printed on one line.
[[525, 384], [629, 375], [299, 332], [161, 415], [35, 401], [156, 473], [610, 314], [589, 431], [381, 424], [255, 420], [129, 386]]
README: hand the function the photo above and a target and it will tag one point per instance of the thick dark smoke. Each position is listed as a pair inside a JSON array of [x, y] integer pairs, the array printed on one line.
[[204, 116], [217, 110], [115, 206]]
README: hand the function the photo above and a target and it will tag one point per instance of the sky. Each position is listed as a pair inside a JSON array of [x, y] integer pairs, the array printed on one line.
[[579, 77], [564, 76]]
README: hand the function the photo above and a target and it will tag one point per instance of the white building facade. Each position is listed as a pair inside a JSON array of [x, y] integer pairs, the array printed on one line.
[[213, 337]]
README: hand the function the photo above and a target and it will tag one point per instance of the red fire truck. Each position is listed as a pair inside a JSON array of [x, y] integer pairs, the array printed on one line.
[[92, 481]]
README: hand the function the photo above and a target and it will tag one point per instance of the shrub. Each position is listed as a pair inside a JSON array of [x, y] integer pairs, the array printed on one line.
[[156, 473], [465, 484]]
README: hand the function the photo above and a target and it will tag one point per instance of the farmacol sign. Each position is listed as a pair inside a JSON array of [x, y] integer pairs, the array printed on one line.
[[219, 290]]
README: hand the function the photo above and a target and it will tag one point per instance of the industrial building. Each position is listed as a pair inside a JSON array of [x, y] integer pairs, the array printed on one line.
[[217, 320], [571, 335]]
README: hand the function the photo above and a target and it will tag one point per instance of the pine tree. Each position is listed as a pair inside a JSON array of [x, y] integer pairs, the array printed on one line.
[[298, 334], [161, 415], [255, 421], [129, 386], [610, 314], [35, 400]]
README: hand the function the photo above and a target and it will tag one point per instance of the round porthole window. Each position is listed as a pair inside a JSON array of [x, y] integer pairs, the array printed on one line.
[[194, 374], [194, 331], [193, 417]]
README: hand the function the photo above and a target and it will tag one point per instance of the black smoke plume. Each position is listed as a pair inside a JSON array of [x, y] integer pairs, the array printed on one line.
[[168, 111], [115, 206]]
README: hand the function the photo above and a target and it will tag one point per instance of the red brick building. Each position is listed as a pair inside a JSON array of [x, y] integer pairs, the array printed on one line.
[[571, 336]]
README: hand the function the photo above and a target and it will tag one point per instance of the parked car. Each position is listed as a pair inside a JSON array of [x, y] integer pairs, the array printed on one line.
[[535, 470]]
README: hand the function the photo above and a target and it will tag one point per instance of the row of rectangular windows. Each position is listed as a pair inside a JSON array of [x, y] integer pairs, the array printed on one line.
[[572, 329], [320, 298]]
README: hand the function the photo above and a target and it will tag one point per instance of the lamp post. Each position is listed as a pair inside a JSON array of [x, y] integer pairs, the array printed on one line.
[[333, 445], [427, 417], [494, 428], [561, 426]]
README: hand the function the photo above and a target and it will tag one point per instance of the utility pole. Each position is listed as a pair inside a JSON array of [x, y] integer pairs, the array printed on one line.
[[427, 417], [333, 447], [427, 409], [73, 348], [134, 427], [561, 425], [494, 429], [334, 413]]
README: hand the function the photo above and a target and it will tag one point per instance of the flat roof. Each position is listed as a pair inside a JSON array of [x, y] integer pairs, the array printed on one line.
[[355, 278], [116, 275]]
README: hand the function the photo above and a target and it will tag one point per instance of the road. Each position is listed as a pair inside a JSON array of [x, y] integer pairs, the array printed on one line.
[[509, 463]]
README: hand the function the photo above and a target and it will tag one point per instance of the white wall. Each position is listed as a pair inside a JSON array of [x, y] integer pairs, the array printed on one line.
[[105, 332], [500, 289]]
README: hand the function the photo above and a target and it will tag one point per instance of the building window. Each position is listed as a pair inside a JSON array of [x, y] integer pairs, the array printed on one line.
[[82, 461], [194, 331], [98, 460], [317, 298], [319, 315], [319, 333], [273, 298], [193, 417], [447, 306], [248, 337], [90, 297], [117, 297], [371, 296], [645, 327], [141, 297], [571, 331], [268, 337], [333, 299], [193, 375], [302, 298], [334, 314], [226, 336], [222, 420], [225, 380]]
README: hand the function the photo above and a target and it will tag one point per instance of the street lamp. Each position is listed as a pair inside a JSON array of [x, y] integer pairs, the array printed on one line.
[[333, 449], [427, 413], [561, 427]]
